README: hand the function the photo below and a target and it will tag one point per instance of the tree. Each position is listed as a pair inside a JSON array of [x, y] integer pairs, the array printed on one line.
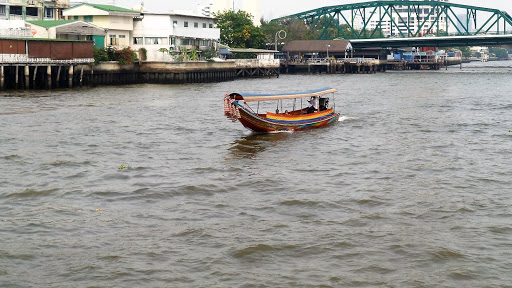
[[238, 31], [500, 53]]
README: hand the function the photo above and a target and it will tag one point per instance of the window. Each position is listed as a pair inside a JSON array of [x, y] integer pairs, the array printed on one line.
[[122, 36], [173, 41], [210, 25], [204, 25], [75, 17], [185, 24], [185, 42], [16, 10], [153, 40], [2, 9], [48, 13], [196, 25], [174, 23], [87, 18], [113, 40], [32, 11], [138, 40]]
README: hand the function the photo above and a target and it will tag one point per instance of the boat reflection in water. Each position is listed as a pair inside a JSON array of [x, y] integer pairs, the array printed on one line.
[[247, 147]]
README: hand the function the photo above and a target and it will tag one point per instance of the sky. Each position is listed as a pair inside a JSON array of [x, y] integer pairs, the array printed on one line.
[[271, 9]]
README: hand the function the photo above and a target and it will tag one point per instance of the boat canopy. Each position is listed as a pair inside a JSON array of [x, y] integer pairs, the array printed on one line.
[[248, 97]]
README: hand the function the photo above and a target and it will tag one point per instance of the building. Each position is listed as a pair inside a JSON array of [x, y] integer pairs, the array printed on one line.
[[65, 29], [389, 28], [173, 32], [32, 9], [117, 22]]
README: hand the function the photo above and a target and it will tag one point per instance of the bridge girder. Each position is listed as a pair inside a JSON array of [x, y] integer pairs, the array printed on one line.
[[402, 15]]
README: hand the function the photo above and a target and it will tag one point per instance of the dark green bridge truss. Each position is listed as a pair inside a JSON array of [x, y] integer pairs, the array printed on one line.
[[456, 17]]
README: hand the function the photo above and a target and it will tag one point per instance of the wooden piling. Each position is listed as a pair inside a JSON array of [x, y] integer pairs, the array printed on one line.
[[57, 82], [17, 76], [34, 77], [70, 74], [2, 78], [49, 77], [27, 76]]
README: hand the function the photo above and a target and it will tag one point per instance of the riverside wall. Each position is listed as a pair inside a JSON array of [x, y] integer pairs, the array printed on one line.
[[19, 75]]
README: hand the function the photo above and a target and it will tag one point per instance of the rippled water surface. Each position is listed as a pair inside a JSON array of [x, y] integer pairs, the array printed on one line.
[[412, 188]]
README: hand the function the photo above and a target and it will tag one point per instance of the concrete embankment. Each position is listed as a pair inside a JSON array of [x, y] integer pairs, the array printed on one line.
[[113, 73], [69, 75]]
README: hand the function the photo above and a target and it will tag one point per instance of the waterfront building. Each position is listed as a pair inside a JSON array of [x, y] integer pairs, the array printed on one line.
[[117, 22], [167, 35], [65, 29], [32, 9], [422, 16]]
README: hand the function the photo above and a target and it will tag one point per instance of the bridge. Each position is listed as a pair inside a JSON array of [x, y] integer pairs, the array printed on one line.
[[408, 23]]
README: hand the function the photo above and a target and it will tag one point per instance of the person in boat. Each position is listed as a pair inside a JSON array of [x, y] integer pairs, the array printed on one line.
[[314, 105]]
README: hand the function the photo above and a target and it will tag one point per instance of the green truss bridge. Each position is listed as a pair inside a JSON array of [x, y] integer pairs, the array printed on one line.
[[399, 23]]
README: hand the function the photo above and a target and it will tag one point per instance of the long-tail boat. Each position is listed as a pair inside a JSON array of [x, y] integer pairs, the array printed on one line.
[[316, 115]]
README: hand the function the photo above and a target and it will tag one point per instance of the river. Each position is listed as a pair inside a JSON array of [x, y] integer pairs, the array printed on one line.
[[151, 186]]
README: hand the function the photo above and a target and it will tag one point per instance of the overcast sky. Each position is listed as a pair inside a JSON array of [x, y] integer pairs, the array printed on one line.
[[276, 8]]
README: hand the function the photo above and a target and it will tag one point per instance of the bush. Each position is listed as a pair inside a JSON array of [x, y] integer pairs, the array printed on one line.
[[209, 54], [143, 54], [123, 56]]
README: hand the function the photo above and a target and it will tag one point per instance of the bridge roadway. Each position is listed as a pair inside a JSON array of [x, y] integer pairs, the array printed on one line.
[[435, 41]]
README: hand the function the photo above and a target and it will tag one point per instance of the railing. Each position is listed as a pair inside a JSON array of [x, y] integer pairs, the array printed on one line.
[[325, 61], [256, 63], [19, 32], [24, 59]]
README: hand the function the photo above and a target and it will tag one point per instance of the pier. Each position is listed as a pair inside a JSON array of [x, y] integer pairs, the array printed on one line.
[[334, 66]]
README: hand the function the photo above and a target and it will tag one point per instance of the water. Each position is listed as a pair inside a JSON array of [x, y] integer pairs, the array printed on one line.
[[410, 189]]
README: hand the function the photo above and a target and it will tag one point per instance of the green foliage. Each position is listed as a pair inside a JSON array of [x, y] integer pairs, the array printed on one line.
[[238, 31], [500, 53], [164, 50], [209, 54], [192, 54], [123, 56], [126, 56], [244, 56], [143, 54], [100, 55], [124, 167]]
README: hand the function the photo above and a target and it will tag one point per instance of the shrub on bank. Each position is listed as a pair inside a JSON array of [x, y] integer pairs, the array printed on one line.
[[123, 56]]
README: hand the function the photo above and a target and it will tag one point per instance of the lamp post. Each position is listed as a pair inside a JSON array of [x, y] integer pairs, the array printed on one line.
[[279, 34], [328, 50]]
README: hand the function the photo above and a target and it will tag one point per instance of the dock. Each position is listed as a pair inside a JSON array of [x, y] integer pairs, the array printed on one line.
[[334, 66]]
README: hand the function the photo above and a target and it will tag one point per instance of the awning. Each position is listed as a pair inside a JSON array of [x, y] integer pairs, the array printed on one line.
[[224, 51], [247, 97]]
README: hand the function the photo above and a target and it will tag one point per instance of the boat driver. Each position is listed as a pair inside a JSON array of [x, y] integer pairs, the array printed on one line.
[[314, 104]]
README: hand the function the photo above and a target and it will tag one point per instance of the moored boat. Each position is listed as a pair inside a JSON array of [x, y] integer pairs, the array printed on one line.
[[317, 114]]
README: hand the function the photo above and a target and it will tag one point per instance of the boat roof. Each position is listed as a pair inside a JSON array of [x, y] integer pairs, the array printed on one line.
[[249, 97]]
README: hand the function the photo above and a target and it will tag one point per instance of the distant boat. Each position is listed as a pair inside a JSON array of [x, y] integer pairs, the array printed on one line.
[[317, 114]]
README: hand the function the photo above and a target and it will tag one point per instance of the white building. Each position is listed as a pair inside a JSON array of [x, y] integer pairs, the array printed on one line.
[[416, 20], [117, 21], [174, 32]]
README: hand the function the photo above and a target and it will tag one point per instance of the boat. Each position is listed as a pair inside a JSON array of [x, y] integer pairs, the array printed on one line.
[[316, 114]]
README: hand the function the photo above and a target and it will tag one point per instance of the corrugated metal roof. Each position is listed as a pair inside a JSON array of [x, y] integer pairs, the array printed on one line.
[[317, 46], [50, 23], [110, 8]]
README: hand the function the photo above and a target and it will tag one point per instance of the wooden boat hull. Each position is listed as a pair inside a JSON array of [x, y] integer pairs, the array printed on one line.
[[260, 124]]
